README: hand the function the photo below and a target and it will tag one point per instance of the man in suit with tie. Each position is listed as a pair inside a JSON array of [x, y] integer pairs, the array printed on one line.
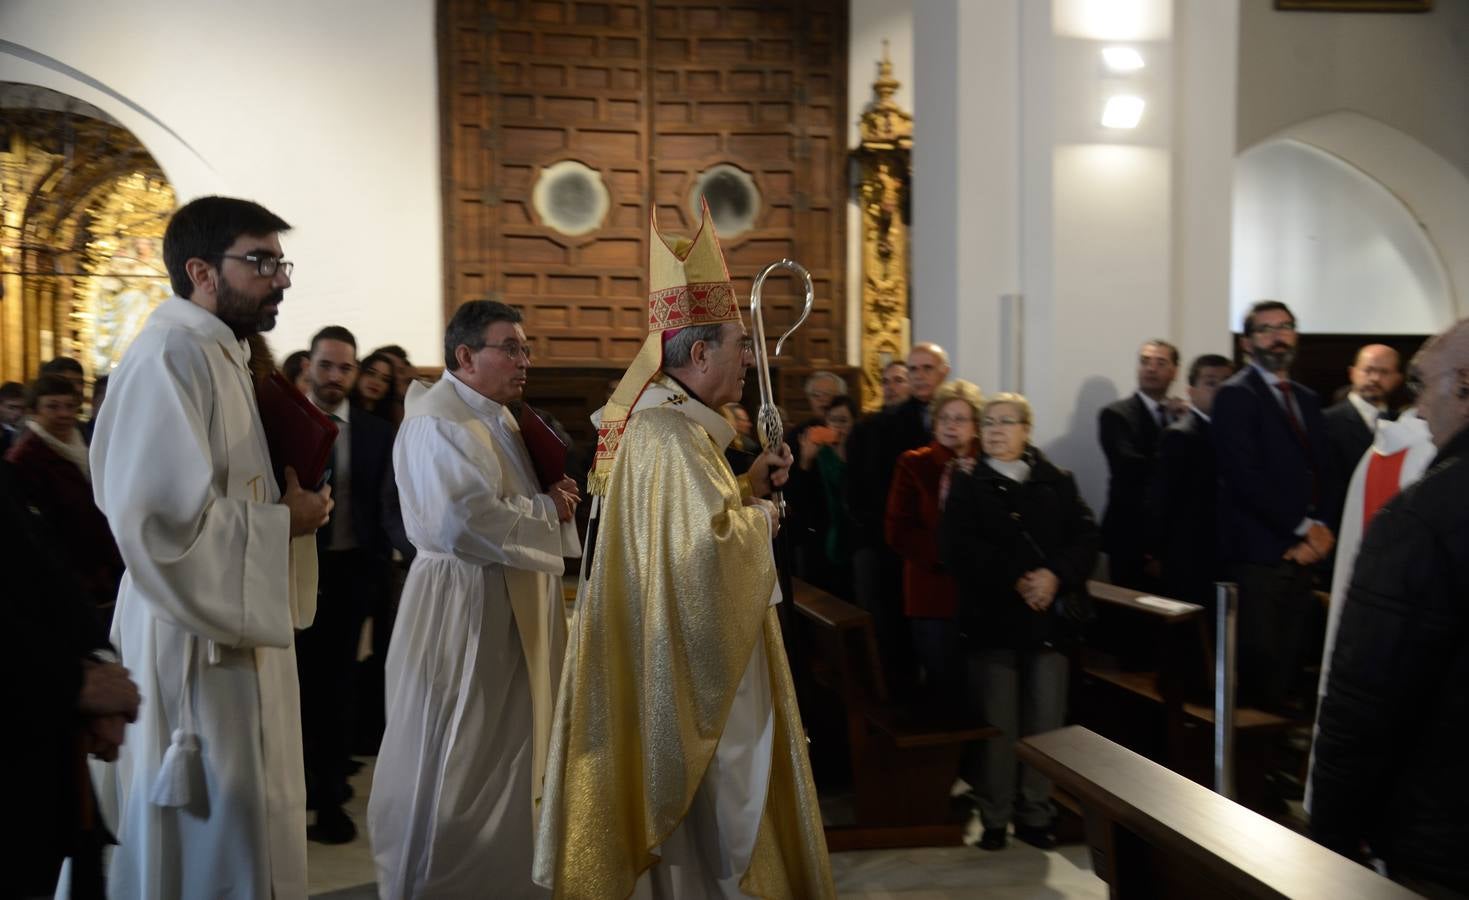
[[873, 449], [1351, 423], [1185, 494], [1275, 498], [1129, 431], [353, 550]]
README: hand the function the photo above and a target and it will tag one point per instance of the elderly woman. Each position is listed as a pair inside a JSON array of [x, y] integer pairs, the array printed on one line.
[[1020, 541], [915, 502], [56, 478]]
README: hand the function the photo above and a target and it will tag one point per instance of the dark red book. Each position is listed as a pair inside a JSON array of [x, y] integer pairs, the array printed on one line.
[[299, 434], [547, 450]]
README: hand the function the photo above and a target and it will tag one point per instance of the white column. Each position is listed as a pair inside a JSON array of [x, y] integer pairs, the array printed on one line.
[[1112, 236]]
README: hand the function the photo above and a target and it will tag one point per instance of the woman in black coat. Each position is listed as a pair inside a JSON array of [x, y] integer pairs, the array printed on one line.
[[1020, 541]]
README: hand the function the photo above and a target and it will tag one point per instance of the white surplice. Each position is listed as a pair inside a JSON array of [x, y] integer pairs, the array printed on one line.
[[451, 812], [205, 618], [1406, 445]]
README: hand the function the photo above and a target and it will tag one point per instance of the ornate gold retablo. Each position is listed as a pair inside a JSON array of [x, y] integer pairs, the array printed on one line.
[[884, 161]]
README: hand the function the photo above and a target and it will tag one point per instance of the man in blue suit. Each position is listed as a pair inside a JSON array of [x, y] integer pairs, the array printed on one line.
[[1275, 494]]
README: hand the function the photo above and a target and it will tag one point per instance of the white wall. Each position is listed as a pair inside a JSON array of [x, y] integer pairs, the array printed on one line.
[[1347, 253], [1409, 71], [1111, 237], [324, 111]]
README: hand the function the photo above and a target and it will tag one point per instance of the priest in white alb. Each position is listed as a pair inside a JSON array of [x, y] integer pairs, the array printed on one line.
[[481, 628], [209, 793], [1401, 452], [678, 762]]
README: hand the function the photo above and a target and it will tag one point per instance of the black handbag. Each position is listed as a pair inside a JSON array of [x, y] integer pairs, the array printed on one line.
[[1072, 608]]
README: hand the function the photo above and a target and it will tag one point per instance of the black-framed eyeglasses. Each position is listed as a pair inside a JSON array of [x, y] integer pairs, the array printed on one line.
[[265, 264], [1414, 384], [1281, 328], [513, 349]]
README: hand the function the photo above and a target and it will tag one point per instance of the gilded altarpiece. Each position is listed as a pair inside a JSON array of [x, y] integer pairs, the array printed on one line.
[[884, 181], [83, 207]]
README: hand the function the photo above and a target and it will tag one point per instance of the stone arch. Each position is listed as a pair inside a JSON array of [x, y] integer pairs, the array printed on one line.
[[1420, 200]]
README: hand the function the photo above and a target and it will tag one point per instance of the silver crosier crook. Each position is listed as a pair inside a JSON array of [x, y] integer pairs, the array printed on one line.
[[767, 421]]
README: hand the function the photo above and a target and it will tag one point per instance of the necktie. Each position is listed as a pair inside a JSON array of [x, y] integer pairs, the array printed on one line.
[[1290, 411], [1295, 425], [324, 533], [1162, 416]]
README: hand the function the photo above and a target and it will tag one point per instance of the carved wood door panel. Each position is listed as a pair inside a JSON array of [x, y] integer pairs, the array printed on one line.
[[647, 94]]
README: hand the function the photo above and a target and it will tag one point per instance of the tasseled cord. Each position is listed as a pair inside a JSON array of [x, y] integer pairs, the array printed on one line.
[[175, 781]]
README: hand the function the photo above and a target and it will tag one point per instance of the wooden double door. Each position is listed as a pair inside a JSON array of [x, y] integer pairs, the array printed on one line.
[[648, 94]]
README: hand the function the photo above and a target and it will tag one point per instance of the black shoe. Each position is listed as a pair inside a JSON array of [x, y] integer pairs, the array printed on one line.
[[333, 826], [993, 839], [1039, 836]]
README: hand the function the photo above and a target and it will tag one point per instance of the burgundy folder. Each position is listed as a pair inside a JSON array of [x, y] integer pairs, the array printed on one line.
[[299, 434], [547, 450]]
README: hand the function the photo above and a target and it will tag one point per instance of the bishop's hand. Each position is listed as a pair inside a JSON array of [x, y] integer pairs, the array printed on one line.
[[770, 471]]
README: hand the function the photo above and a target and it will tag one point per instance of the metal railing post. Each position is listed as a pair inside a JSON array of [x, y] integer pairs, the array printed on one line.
[[1226, 614]]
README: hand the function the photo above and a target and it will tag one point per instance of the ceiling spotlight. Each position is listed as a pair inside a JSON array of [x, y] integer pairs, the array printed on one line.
[[1122, 59], [1122, 111]]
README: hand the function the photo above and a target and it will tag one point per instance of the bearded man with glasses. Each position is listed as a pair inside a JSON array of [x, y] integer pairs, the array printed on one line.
[[1275, 496], [220, 575]]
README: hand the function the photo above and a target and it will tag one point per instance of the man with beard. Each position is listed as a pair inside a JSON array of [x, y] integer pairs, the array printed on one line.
[[353, 552], [1275, 494], [220, 574], [1350, 424]]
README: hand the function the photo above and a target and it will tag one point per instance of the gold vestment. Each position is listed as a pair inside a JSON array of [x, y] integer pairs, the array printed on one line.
[[678, 594]]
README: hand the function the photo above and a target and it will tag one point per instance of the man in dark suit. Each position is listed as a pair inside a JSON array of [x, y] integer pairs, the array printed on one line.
[[1275, 496], [1350, 424], [1186, 492], [353, 551], [1129, 431], [873, 449]]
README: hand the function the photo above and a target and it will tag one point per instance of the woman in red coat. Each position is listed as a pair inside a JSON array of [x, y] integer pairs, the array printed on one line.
[[915, 503], [54, 476]]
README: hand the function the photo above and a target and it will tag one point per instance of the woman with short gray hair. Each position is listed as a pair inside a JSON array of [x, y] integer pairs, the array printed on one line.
[[1020, 541]]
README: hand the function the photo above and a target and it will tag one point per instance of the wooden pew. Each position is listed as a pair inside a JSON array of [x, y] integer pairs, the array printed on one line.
[[1165, 712], [1155, 834], [904, 757]]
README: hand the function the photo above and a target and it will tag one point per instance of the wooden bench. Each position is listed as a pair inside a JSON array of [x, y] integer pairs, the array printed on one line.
[[1155, 834], [1166, 714], [904, 757]]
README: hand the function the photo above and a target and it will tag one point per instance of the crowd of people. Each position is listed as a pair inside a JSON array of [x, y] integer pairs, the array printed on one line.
[[206, 622]]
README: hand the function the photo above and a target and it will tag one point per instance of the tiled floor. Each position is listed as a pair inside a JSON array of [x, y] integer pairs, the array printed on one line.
[[937, 873]]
